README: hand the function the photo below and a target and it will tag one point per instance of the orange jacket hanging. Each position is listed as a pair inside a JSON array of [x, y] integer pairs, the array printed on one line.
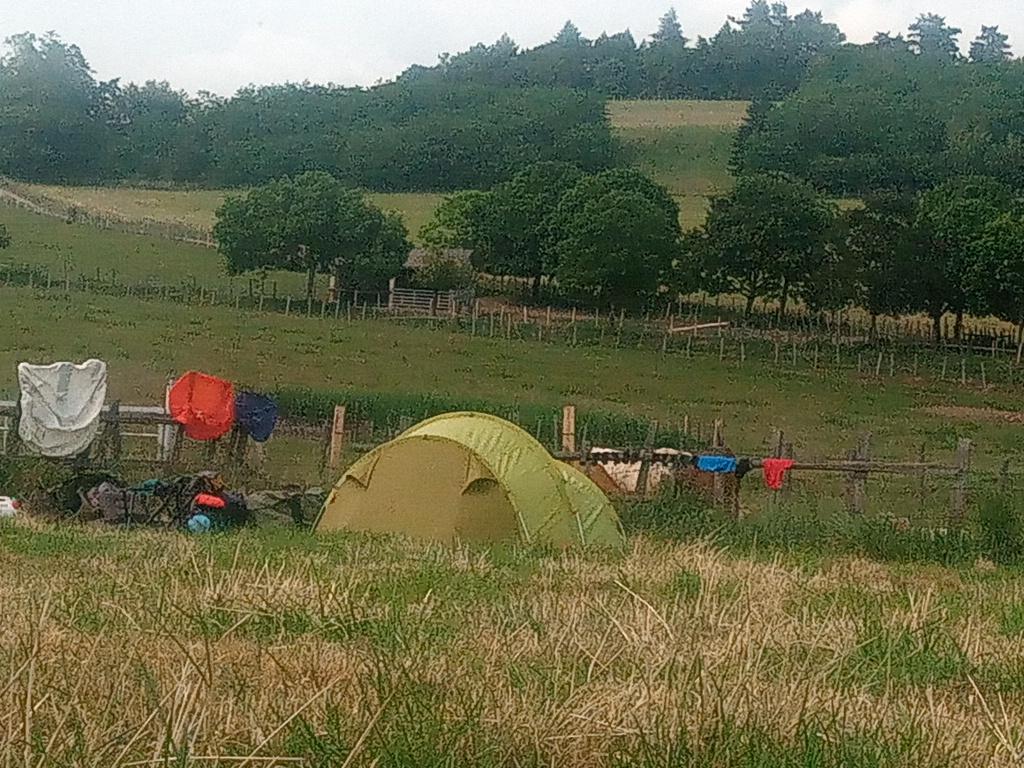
[[204, 405]]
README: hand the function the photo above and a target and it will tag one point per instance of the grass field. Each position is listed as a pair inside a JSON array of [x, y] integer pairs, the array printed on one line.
[[278, 648], [149, 341], [124, 258], [197, 207], [684, 145]]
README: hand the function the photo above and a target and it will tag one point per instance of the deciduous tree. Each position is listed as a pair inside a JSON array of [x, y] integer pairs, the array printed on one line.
[[885, 253], [614, 238], [766, 237], [311, 223], [995, 277], [951, 218]]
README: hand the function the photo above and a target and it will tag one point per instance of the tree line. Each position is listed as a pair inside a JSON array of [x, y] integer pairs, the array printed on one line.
[[899, 114], [477, 116], [766, 53], [955, 248], [59, 124], [613, 239]]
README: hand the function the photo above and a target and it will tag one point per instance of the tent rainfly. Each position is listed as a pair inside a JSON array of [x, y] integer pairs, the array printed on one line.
[[472, 477]]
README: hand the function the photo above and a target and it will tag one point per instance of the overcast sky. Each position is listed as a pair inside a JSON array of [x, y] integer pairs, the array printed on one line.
[[220, 45]]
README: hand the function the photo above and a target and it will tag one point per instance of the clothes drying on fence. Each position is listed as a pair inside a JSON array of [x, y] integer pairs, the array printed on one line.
[[256, 414], [61, 405], [743, 466], [720, 465], [775, 472], [625, 473], [204, 405]]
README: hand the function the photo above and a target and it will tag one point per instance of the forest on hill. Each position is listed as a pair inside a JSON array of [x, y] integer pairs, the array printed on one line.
[[902, 105]]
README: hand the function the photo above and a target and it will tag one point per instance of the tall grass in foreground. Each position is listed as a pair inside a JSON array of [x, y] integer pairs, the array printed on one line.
[[280, 648]]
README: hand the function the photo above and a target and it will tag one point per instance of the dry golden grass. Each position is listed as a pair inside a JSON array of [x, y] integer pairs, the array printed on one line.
[[279, 649], [677, 113]]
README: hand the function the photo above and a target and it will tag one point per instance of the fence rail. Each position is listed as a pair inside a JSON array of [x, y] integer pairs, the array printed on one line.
[[341, 436], [420, 302]]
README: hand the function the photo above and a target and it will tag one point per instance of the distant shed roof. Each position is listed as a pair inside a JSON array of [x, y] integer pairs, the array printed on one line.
[[421, 257]]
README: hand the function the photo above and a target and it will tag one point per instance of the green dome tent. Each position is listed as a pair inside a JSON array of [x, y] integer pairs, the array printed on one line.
[[474, 477]]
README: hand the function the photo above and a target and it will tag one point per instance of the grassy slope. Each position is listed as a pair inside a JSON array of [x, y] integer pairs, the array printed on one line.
[[197, 207], [675, 654], [684, 145], [50, 243]]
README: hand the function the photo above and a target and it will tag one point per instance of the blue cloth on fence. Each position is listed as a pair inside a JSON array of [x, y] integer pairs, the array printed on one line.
[[722, 465], [256, 414]]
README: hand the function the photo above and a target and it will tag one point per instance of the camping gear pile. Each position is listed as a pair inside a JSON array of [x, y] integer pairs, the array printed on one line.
[[473, 477], [176, 502]]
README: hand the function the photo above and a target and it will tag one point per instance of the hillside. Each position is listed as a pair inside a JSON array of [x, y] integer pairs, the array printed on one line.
[[683, 145]]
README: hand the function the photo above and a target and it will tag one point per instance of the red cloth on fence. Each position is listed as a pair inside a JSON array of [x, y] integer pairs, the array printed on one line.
[[208, 500], [775, 471], [204, 405]]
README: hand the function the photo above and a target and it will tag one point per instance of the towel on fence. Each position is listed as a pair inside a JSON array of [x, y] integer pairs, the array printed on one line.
[[775, 471], [256, 414], [722, 465], [204, 405], [61, 405]]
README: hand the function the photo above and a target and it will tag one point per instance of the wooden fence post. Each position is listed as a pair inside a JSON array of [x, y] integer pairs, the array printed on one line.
[[922, 488], [174, 457], [114, 433], [718, 480], [168, 434], [569, 429], [963, 468], [645, 459], [856, 482], [337, 437]]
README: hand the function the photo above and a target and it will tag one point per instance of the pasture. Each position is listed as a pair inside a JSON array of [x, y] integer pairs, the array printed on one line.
[[197, 207], [145, 342], [683, 145]]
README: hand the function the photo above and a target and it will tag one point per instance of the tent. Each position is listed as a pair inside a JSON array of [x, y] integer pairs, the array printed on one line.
[[474, 477]]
